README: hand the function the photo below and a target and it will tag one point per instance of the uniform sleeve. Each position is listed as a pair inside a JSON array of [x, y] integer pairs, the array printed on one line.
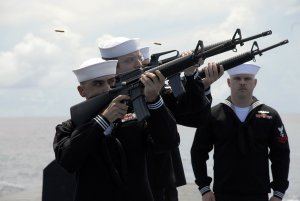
[[191, 107], [162, 127], [280, 157], [73, 145], [202, 145]]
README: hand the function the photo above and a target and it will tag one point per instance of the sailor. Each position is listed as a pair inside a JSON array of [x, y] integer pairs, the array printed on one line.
[[245, 135], [108, 153], [165, 169]]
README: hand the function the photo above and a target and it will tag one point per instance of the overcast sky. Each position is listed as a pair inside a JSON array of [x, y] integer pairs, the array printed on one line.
[[36, 62]]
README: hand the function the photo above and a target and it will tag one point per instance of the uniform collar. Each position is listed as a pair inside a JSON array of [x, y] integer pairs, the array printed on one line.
[[253, 105]]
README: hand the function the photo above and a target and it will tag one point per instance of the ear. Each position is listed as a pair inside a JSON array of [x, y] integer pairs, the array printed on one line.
[[255, 82], [228, 82], [118, 67], [81, 91]]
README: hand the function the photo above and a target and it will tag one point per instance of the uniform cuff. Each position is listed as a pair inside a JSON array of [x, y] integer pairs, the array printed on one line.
[[205, 190], [156, 105], [207, 91], [278, 194], [194, 75], [104, 124]]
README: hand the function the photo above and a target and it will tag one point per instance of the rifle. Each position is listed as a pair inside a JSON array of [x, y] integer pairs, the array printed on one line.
[[224, 46], [174, 80], [244, 57], [86, 110]]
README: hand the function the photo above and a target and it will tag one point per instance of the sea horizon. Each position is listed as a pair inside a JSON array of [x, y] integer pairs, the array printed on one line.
[[26, 149]]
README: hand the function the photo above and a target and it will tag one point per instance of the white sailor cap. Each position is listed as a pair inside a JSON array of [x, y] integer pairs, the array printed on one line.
[[245, 68], [95, 67], [118, 46], [145, 52]]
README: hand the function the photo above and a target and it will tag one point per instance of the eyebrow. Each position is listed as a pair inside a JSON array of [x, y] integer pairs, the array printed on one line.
[[95, 81], [132, 56], [243, 77], [129, 57]]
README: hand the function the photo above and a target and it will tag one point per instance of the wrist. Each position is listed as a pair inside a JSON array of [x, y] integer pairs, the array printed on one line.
[[278, 194], [205, 190], [190, 72], [156, 104], [151, 99], [104, 124]]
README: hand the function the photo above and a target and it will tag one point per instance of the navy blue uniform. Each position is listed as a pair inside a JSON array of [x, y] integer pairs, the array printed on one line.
[[242, 151], [113, 167], [166, 169]]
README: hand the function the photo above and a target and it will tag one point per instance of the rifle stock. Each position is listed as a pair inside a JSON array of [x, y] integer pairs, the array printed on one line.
[[88, 109]]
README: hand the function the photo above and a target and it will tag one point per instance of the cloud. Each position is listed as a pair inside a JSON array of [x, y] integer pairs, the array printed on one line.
[[27, 63], [36, 62], [36, 74]]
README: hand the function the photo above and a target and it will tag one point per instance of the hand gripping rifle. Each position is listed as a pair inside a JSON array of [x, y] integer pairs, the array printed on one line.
[[86, 110]]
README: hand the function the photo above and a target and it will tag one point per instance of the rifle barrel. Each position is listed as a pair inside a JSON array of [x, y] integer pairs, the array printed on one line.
[[273, 46], [266, 33]]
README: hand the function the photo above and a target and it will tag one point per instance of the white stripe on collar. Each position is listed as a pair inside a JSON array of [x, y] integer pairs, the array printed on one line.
[[252, 106]]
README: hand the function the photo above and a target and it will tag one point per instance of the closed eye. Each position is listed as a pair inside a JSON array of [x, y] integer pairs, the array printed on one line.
[[98, 83]]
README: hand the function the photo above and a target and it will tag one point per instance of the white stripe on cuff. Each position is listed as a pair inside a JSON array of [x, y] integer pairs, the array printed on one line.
[[204, 189], [156, 105], [196, 74], [106, 127], [278, 194], [206, 92]]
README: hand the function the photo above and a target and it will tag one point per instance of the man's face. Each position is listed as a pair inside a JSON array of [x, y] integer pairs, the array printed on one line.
[[129, 62], [242, 85], [97, 86]]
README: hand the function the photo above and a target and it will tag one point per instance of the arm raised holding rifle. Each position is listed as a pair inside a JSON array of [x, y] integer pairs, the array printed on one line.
[[129, 59]]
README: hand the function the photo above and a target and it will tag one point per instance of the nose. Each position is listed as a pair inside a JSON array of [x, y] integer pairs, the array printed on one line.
[[242, 80], [138, 63], [106, 87]]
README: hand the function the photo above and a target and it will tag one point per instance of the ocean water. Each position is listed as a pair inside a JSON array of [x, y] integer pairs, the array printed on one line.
[[26, 149]]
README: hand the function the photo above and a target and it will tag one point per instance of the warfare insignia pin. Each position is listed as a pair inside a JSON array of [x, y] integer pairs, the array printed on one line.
[[263, 115], [263, 112]]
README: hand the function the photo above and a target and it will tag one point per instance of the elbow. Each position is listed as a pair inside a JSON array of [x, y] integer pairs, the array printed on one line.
[[65, 161], [66, 165], [193, 152]]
